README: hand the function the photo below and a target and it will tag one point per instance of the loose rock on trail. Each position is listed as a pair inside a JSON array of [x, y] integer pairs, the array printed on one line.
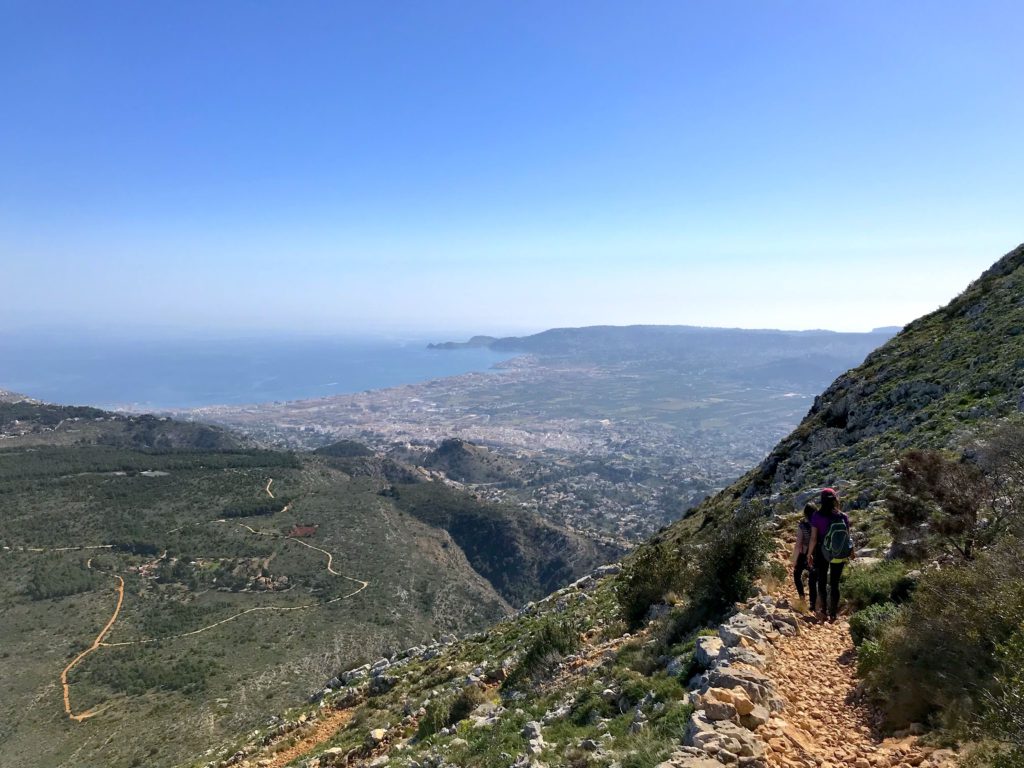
[[828, 721]]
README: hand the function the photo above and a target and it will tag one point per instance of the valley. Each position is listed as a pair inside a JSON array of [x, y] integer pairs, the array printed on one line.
[[143, 577], [613, 432]]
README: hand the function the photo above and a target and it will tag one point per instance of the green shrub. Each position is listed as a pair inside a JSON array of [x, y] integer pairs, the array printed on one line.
[[553, 640], [940, 652], [777, 571], [135, 672], [653, 572], [869, 657], [449, 710], [1011, 758], [729, 564], [256, 507], [865, 624], [1003, 719], [589, 706], [652, 745], [873, 585]]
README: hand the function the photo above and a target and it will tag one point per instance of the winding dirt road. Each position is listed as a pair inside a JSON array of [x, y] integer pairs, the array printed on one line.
[[330, 558], [99, 642], [96, 645]]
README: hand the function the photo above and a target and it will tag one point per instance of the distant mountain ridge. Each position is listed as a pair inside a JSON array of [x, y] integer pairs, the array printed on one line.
[[622, 337]]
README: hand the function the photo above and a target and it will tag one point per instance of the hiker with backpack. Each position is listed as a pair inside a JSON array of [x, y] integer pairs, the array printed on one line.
[[831, 546], [801, 552]]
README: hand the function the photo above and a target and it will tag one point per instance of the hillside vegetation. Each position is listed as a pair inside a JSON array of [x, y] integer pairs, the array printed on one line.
[[203, 528], [597, 673]]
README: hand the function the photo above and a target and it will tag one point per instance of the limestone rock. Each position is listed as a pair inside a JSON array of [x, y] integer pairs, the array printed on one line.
[[719, 710], [707, 651], [689, 761], [755, 718]]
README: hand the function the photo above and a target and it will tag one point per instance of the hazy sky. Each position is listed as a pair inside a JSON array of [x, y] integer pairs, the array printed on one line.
[[497, 167]]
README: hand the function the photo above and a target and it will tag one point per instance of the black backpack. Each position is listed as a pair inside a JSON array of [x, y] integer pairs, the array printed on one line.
[[837, 546]]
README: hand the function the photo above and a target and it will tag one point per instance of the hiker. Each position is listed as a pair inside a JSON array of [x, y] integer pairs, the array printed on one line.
[[801, 550], [831, 547]]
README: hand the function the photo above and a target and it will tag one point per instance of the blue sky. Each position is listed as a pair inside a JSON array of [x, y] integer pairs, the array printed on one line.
[[498, 167]]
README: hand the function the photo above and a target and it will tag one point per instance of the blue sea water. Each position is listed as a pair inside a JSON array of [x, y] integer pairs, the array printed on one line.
[[164, 374]]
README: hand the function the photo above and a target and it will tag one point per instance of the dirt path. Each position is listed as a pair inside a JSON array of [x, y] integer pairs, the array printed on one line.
[[96, 645], [325, 728], [99, 642], [830, 724], [330, 559]]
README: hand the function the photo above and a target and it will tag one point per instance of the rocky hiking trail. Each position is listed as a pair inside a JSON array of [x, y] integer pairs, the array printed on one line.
[[320, 732], [780, 691], [829, 721], [96, 645]]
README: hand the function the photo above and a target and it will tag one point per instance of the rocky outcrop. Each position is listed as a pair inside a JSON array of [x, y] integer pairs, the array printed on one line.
[[736, 707]]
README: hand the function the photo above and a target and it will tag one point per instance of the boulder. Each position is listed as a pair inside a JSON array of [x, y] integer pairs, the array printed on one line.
[[742, 702], [740, 655], [707, 651], [754, 683], [865, 562], [719, 710], [740, 627], [722, 735], [532, 730], [755, 718]]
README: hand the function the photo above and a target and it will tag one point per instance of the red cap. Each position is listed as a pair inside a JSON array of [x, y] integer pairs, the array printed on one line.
[[828, 492]]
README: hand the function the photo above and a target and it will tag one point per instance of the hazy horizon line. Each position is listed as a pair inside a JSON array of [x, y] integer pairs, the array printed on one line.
[[229, 333]]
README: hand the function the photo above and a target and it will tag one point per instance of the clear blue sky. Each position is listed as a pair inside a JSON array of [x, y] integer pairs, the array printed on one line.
[[492, 167]]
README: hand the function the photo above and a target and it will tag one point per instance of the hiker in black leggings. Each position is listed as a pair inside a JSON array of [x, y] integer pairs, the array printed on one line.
[[827, 574], [801, 550]]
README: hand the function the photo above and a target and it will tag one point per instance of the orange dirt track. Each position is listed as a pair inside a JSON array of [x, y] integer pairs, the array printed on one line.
[[95, 646]]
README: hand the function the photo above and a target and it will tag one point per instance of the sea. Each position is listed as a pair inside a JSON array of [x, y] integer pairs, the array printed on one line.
[[166, 374]]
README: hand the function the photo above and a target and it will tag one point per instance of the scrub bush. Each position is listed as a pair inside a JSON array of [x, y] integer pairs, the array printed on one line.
[[647, 577], [553, 640], [864, 586], [866, 624], [940, 652]]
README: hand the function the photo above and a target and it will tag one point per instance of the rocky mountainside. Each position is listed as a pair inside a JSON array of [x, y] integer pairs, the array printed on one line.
[[940, 380], [6, 396], [567, 682]]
